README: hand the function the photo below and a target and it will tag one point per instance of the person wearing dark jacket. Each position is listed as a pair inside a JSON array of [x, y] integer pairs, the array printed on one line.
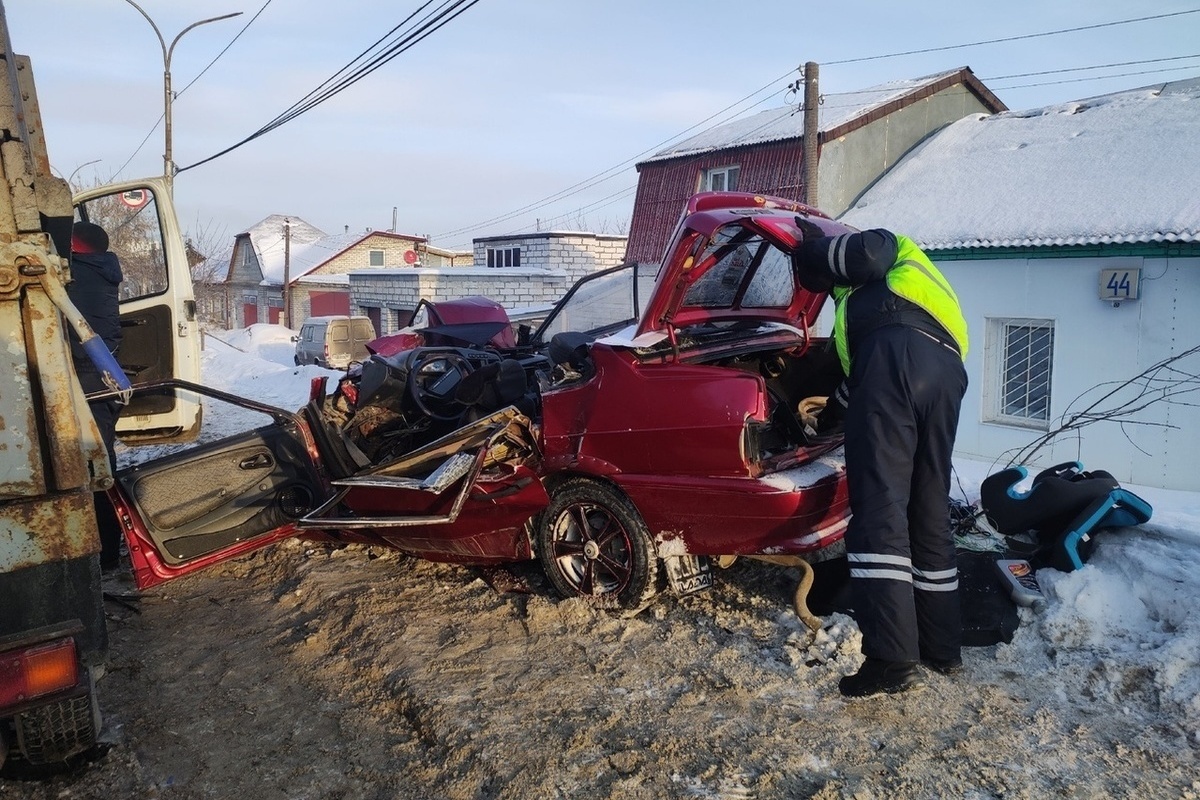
[[95, 281], [901, 337]]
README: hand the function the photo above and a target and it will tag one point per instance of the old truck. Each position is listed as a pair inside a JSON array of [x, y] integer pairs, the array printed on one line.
[[52, 627]]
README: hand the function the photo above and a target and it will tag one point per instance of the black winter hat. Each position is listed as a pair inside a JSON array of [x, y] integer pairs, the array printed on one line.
[[88, 237]]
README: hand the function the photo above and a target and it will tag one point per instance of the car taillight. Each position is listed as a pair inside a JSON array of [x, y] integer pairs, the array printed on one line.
[[327, 352], [37, 671]]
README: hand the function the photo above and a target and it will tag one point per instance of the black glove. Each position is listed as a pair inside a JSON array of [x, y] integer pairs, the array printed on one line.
[[833, 415]]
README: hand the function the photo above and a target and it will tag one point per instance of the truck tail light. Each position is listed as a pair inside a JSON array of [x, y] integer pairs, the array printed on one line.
[[37, 671], [327, 352]]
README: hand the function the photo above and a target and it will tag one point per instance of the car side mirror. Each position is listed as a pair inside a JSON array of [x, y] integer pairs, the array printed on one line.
[[523, 333], [295, 338]]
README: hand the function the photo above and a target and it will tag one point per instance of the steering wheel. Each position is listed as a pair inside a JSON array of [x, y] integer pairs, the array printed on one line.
[[432, 389]]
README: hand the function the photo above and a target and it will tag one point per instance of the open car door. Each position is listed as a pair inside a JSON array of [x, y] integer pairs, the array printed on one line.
[[210, 502], [160, 336]]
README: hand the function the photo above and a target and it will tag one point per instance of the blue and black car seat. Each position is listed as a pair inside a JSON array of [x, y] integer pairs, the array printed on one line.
[[1063, 507]]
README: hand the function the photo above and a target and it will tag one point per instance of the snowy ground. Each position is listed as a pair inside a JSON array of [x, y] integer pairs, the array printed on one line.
[[313, 672]]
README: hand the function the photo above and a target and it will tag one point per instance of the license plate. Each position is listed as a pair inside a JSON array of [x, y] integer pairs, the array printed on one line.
[[688, 574]]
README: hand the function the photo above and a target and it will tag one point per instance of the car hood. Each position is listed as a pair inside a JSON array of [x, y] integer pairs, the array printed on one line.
[[729, 260]]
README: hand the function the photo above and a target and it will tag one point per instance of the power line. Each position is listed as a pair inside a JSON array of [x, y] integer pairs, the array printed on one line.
[[588, 183], [163, 115], [581, 186], [445, 14], [1099, 77], [1010, 38], [1085, 69]]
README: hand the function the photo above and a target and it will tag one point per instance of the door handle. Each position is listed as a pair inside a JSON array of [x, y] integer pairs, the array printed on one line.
[[256, 461]]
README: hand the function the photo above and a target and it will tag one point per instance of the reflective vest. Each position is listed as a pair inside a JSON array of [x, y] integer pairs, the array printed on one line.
[[916, 279]]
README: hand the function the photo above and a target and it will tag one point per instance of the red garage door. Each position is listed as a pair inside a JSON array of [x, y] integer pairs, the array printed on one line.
[[328, 304]]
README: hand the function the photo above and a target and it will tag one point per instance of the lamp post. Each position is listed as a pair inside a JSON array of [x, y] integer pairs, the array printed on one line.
[[168, 51]]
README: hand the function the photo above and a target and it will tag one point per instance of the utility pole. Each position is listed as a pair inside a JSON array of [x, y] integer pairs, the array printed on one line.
[[287, 272], [167, 52], [812, 131]]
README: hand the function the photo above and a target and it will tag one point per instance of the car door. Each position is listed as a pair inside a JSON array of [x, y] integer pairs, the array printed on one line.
[[160, 335], [212, 501]]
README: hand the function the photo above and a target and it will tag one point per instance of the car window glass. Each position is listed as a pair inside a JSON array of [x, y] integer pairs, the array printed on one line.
[[130, 218], [773, 283], [599, 303], [363, 330], [340, 333], [740, 258]]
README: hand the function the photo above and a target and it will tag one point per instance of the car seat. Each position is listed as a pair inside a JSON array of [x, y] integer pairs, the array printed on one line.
[[1063, 507]]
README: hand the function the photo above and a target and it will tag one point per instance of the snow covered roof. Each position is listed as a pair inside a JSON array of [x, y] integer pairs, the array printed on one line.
[[309, 247], [839, 110], [1120, 168]]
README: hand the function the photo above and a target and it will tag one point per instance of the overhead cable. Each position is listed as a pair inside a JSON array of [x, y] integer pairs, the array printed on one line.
[[445, 14]]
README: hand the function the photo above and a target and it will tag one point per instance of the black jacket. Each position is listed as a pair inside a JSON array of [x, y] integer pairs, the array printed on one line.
[[95, 278]]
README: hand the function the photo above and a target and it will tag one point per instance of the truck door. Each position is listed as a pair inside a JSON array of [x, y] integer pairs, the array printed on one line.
[[160, 336]]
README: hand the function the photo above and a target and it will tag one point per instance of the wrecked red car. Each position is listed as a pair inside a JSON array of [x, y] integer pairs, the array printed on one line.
[[647, 428]]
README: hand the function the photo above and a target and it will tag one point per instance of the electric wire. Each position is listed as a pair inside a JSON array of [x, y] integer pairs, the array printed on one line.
[[589, 182], [163, 115], [446, 14], [1020, 37]]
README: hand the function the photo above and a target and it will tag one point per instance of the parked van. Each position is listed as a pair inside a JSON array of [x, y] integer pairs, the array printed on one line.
[[333, 342]]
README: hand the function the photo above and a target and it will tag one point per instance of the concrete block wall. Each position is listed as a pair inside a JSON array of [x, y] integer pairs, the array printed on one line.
[[575, 253], [398, 291]]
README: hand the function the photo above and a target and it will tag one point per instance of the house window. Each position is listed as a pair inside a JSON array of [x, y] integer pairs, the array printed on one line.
[[724, 179], [1020, 358], [376, 258], [247, 254], [504, 256], [250, 299]]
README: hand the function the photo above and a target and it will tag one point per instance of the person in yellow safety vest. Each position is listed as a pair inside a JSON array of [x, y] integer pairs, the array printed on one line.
[[901, 338]]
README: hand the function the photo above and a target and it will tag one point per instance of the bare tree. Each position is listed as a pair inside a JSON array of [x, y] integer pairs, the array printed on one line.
[[1172, 380]]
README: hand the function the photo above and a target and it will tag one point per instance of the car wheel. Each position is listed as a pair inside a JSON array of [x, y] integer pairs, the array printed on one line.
[[593, 543], [296, 359]]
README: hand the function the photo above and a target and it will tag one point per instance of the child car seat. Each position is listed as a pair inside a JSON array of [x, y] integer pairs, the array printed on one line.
[[1063, 507]]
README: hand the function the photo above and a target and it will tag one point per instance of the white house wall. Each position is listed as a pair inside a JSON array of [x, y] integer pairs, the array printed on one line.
[[1096, 347]]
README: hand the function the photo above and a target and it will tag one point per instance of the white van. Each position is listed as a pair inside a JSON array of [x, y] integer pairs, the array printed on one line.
[[333, 342]]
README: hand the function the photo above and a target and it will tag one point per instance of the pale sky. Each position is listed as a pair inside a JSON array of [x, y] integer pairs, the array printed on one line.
[[514, 101]]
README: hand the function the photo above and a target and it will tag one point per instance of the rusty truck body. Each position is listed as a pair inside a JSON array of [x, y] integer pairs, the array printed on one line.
[[52, 629]]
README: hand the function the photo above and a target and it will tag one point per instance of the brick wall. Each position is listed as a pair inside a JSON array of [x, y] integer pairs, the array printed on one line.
[[397, 291], [576, 254]]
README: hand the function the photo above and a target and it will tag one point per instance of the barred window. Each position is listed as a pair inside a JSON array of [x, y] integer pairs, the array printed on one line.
[[1020, 355]]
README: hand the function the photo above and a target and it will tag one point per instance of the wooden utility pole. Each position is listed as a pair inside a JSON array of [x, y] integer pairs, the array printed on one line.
[[287, 272], [812, 132]]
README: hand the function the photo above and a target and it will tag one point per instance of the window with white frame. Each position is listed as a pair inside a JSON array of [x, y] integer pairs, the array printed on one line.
[[1019, 359], [376, 258], [722, 179], [504, 256]]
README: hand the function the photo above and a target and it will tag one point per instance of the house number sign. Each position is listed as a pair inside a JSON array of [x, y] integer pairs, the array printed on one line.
[[1119, 285]]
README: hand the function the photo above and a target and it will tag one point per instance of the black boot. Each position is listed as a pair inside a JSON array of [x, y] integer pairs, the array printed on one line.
[[946, 666], [876, 675]]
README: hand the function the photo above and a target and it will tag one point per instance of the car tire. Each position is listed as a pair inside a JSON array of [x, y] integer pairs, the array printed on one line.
[[297, 360], [593, 543]]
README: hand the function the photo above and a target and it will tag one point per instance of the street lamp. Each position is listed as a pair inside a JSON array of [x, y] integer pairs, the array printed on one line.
[[168, 164]]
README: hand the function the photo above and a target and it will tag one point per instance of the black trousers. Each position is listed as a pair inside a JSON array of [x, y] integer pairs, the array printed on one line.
[[105, 413], [906, 389]]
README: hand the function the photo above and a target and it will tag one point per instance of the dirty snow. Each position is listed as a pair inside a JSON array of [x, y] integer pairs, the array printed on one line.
[[317, 672]]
